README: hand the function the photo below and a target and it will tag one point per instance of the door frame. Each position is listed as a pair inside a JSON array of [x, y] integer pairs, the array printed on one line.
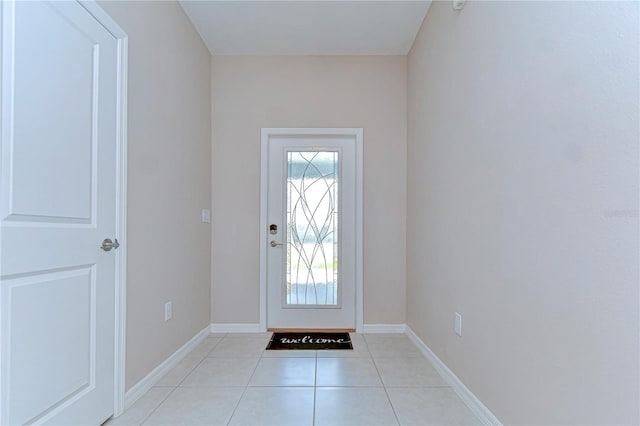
[[120, 323], [266, 135]]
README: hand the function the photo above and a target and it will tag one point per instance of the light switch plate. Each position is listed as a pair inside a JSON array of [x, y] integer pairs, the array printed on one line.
[[168, 311], [457, 324]]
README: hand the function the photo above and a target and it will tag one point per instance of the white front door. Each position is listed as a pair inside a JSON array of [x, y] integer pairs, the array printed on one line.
[[311, 230], [59, 134]]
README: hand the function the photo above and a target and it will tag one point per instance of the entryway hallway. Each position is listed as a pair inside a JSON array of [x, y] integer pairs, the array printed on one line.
[[231, 379]]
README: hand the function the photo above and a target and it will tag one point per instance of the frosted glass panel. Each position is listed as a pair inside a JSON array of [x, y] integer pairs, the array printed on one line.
[[312, 228]]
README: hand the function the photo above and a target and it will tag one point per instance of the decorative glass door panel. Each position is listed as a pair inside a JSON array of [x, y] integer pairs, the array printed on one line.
[[312, 266], [310, 227]]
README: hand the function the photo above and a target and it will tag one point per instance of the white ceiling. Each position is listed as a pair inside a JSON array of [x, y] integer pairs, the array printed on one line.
[[238, 27]]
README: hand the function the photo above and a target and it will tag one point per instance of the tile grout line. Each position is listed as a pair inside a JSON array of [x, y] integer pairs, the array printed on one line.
[[392, 407], [315, 392], [180, 382], [395, 414], [245, 387], [384, 386], [158, 406]]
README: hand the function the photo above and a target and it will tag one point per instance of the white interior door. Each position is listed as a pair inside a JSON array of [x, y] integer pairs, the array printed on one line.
[[59, 135], [311, 236]]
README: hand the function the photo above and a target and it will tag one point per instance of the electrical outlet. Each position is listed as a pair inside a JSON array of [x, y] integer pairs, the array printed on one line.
[[168, 311], [457, 324], [206, 216]]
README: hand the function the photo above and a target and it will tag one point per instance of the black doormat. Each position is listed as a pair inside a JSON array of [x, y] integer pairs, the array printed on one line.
[[309, 340]]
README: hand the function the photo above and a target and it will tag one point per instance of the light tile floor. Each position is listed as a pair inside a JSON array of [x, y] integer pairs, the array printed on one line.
[[230, 379]]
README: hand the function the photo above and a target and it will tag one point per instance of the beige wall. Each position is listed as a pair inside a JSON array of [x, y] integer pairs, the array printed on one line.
[[169, 181], [254, 92], [523, 205]]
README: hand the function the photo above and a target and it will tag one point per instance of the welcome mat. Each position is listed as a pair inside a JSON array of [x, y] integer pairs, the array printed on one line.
[[309, 340]]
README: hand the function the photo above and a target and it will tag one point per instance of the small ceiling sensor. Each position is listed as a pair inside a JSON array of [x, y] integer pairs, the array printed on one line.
[[458, 4]]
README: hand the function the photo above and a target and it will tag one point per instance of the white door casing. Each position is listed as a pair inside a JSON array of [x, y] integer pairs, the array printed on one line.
[[63, 156], [285, 152]]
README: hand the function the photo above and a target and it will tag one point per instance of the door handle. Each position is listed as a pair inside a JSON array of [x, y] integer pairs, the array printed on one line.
[[107, 244], [274, 244]]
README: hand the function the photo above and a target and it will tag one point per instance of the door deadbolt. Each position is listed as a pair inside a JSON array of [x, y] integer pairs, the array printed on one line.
[[273, 229]]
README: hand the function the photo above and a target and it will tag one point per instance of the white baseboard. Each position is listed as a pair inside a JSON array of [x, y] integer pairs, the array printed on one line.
[[256, 328], [384, 328], [236, 328], [157, 373], [474, 404]]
